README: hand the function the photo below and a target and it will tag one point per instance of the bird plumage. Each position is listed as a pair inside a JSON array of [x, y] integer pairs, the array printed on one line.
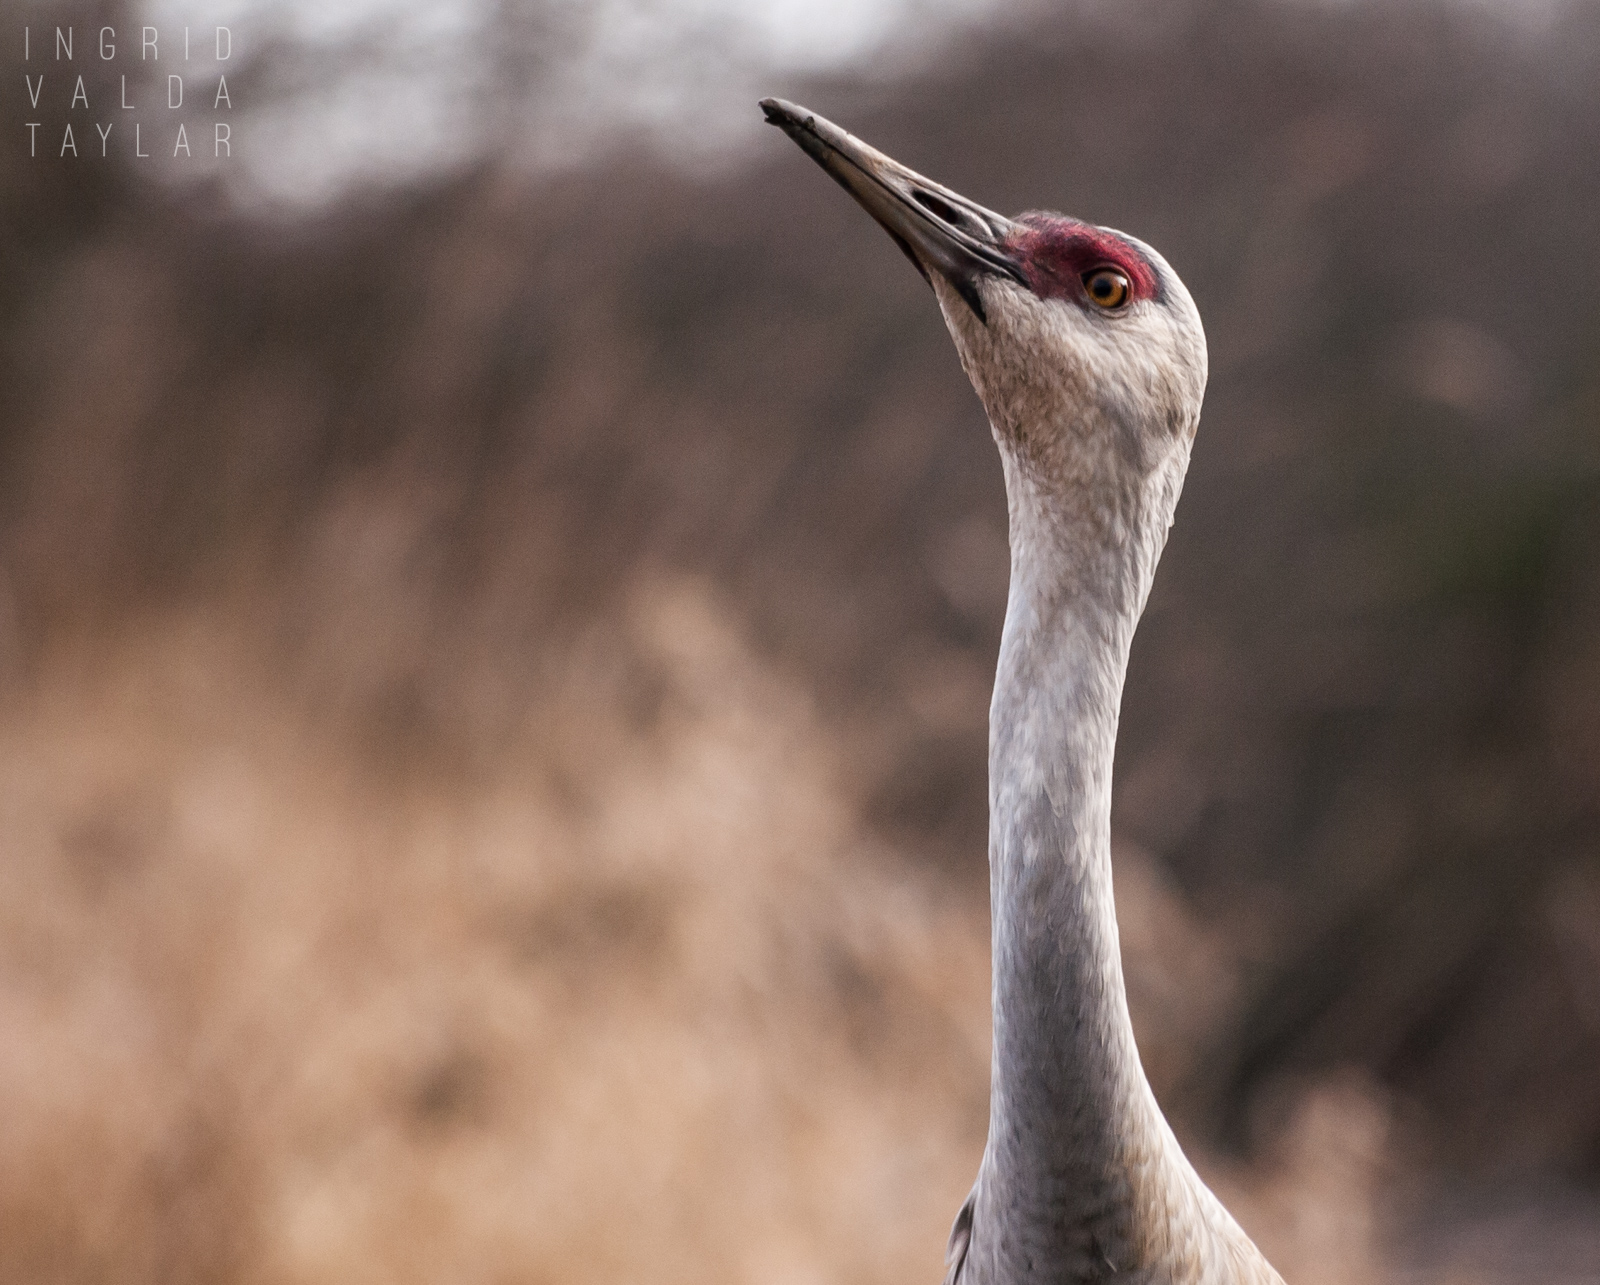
[[1089, 357]]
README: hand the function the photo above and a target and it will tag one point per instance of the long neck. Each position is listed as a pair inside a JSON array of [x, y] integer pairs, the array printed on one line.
[[1081, 1179]]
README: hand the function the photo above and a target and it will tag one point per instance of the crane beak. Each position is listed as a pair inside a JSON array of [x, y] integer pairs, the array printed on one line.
[[940, 230]]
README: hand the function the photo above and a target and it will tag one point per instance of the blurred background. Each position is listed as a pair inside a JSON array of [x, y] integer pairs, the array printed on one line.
[[500, 580]]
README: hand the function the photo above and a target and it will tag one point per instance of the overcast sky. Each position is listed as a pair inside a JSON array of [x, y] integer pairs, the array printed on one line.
[[383, 90]]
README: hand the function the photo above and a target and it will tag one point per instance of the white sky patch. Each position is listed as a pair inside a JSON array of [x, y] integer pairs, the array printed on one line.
[[375, 92]]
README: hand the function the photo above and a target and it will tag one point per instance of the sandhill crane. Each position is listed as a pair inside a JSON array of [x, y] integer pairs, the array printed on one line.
[[1087, 352]]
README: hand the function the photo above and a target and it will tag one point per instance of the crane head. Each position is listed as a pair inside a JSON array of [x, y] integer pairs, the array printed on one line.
[[1082, 342]]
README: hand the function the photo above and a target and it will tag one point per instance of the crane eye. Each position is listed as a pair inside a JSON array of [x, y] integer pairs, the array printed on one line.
[[1107, 287]]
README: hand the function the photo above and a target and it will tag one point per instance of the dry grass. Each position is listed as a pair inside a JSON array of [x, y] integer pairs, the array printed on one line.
[[642, 1002]]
